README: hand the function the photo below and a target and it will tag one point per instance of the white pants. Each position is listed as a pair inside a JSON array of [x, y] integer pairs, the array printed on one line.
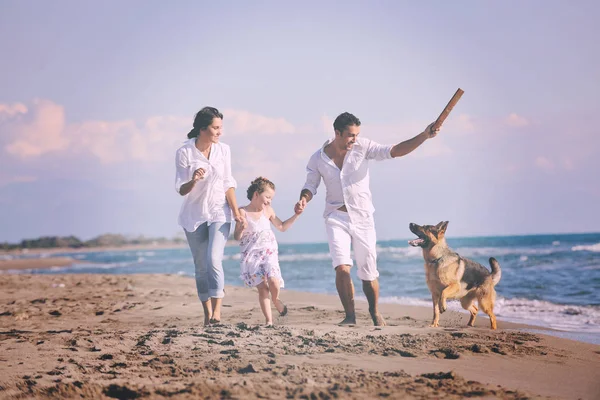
[[342, 235]]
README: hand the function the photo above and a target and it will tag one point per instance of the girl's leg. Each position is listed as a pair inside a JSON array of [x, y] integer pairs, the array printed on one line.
[[198, 242], [218, 233], [275, 290], [265, 303]]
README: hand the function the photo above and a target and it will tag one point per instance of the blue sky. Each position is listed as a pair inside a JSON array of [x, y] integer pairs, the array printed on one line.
[[96, 97]]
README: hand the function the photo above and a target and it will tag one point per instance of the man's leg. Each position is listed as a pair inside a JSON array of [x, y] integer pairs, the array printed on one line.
[[371, 289], [345, 288], [338, 236], [364, 243]]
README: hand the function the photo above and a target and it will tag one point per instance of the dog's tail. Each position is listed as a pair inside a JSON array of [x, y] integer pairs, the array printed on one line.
[[496, 271]]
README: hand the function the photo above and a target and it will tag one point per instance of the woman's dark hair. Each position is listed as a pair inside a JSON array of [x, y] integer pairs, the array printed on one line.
[[259, 185], [344, 120], [203, 119]]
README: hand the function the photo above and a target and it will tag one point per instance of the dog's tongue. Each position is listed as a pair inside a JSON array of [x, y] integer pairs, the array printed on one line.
[[415, 242]]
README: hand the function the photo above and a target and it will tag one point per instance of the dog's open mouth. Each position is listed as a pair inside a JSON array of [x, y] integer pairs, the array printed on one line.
[[416, 242]]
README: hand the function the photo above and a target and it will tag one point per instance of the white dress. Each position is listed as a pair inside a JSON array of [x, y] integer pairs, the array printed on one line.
[[259, 252]]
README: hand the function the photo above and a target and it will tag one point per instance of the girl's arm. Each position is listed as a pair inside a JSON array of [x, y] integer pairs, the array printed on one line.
[[281, 226], [240, 226]]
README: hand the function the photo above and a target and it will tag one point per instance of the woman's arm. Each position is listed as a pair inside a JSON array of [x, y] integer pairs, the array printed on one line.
[[240, 226], [188, 186], [230, 196], [230, 185]]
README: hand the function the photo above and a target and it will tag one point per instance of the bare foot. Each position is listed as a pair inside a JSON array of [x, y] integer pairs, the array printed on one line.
[[378, 319], [434, 325], [207, 320], [349, 320], [281, 308]]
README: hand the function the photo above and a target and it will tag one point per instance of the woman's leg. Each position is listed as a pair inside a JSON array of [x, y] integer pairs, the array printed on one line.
[[265, 303], [218, 233], [198, 242]]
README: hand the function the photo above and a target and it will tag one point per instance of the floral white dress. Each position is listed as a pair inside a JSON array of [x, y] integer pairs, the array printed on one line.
[[259, 253]]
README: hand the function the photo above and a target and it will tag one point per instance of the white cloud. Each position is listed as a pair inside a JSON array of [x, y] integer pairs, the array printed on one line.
[[544, 163], [568, 164], [8, 111], [42, 128], [238, 122], [32, 132], [516, 121], [462, 124]]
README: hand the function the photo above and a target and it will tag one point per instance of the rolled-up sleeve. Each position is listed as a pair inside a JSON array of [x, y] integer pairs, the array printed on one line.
[[228, 180], [379, 152], [313, 176], [181, 170]]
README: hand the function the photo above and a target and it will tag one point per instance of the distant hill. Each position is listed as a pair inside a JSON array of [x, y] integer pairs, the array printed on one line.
[[106, 240]]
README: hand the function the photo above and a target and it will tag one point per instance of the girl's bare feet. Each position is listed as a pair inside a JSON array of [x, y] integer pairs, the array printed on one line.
[[281, 307]]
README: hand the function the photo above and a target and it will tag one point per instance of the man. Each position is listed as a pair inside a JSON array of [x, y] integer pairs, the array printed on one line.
[[343, 164]]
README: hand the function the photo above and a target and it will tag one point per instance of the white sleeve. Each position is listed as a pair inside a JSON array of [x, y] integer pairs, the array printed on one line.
[[313, 176], [182, 172], [379, 152], [228, 180]]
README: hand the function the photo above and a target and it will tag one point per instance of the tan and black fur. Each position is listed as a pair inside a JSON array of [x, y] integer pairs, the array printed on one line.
[[450, 276]]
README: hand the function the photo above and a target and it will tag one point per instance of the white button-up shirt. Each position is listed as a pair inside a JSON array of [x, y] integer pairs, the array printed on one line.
[[206, 201], [350, 185]]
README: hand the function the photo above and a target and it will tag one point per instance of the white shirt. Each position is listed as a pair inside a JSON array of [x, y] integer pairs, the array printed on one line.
[[350, 185], [206, 201]]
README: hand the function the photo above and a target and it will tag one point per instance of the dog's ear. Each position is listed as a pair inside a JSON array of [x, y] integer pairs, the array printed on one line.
[[442, 226]]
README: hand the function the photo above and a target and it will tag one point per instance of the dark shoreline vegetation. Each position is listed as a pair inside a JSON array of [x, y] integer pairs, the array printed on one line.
[[73, 242]]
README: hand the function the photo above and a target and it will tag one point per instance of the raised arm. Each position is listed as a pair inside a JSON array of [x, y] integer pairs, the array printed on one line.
[[406, 147]]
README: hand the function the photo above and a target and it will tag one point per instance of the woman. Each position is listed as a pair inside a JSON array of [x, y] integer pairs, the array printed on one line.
[[204, 179]]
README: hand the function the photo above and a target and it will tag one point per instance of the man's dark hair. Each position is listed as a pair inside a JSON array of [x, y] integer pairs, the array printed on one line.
[[203, 119], [344, 120]]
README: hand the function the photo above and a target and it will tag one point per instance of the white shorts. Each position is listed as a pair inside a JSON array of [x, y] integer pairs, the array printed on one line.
[[342, 235]]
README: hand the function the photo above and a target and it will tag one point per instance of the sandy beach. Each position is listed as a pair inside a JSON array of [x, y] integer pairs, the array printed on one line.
[[139, 336]]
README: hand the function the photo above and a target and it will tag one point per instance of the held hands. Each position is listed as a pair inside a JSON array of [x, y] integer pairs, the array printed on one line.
[[198, 174], [240, 221], [300, 205]]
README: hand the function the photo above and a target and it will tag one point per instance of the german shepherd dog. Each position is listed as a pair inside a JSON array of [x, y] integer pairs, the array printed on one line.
[[450, 276]]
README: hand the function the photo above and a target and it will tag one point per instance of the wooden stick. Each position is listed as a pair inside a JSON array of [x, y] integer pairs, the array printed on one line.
[[440, 120]]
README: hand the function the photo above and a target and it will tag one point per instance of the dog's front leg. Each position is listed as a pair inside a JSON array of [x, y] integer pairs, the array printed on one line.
[[436, 311], [449, 292]]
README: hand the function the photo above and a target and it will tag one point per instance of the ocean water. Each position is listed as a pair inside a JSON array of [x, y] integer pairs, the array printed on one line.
[[550, 281]]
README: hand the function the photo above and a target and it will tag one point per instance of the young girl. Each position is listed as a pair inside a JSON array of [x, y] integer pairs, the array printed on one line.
[[260, 261]]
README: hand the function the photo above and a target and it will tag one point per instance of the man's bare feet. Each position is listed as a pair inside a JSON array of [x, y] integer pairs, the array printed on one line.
[[377, 319], [207, 320], [349, 320]]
